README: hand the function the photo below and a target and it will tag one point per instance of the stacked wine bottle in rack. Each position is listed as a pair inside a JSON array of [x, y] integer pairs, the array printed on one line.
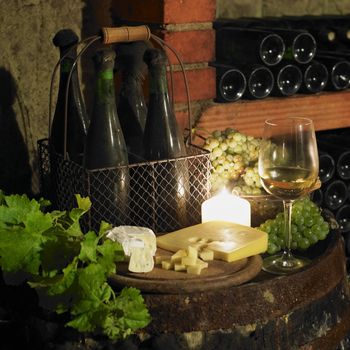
[[334, 173], [281, 56]]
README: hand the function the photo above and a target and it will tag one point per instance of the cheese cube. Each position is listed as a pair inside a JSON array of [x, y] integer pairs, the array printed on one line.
[[195, 269], [160, 258], [206, 254], [201, 263], [167, 265], [192, 252], [189, 260], [178, 255], [179, 267]]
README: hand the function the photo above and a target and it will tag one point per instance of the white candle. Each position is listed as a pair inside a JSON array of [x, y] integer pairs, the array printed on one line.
[[226, 207]]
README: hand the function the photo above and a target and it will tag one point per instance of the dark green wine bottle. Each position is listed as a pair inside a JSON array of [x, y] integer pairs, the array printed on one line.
[[105, 148], [77, 120], [163, 140], [132, 109]]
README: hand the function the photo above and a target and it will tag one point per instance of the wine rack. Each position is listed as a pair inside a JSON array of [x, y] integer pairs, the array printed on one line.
[[328, 110]]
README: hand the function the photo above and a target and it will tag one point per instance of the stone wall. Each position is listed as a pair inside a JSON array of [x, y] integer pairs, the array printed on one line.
[[260, 8], [26, 62]]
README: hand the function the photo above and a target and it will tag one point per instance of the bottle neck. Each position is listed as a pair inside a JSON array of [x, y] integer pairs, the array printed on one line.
[[131, 82], [66, 65], [105, 85], [158, 81]]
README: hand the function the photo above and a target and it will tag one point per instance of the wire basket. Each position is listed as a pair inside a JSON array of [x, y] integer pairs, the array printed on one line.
[[153, 198]]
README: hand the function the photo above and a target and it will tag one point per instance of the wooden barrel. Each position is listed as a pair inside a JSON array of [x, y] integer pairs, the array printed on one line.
[[307, 310]]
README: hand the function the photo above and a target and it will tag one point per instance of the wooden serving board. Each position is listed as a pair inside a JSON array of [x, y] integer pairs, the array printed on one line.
[[219, 274]]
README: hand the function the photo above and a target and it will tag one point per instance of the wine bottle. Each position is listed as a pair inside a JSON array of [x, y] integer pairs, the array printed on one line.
[[338, 71], [324, 34], [343, 165], [317, 197], [77, 120], [163, 140], [230, 84], [288, 79], [299, 44], [254, 81], [343, 218], [335, 194], [246, 45], [339, 147], [132, 109], [105, 154], [339, 24], [260, 81], [326, 167], [315, 77]]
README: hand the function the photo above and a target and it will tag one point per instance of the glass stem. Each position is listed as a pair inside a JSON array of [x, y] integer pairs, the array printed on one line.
[[287, 255]]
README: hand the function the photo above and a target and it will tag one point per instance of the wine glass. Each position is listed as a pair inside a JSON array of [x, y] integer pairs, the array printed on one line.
[[288, 169]]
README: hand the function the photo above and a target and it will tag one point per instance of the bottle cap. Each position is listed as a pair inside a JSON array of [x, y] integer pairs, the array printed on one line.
[[65, 37]]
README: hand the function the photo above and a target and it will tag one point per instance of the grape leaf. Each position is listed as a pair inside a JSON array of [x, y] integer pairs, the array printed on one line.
[[88, 248], [20, 250], [17, 208], [131, 311], [110, 253], [68, 269]]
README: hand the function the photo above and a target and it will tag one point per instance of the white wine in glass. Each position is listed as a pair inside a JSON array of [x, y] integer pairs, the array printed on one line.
[[288, 169]]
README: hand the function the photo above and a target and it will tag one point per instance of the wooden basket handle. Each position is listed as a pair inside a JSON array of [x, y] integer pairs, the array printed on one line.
[[112, 35]]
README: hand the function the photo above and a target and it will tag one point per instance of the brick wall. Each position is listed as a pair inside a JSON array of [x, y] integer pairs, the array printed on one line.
[[186, 26]]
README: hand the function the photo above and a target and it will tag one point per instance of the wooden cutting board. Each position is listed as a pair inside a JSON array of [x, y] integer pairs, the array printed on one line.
[[219, 274]]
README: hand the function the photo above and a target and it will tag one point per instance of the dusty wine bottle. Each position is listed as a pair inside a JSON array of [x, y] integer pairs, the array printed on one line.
[[339, 147], [335, 194], [106, 155], [324, 35], [246, 45], [288, 79], [343, 218], [339, 24], [254, 81], [163, 140], [315, 77], [317, 197], [230, 83], [299, 44], [338, 71], [132, 109], [77, 120], [326, 167], [260, 81]]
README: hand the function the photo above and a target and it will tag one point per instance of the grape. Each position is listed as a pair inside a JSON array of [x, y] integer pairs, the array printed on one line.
[[233, 157], [308, 227]]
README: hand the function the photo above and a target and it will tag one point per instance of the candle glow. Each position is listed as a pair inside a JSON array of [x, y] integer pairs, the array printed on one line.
[[226, 207]]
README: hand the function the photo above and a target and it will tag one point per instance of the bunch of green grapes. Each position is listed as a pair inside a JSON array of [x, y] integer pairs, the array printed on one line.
[[234, 159], [308, 227]]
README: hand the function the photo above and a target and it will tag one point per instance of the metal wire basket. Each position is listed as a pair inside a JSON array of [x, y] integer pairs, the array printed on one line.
[[153, 199]]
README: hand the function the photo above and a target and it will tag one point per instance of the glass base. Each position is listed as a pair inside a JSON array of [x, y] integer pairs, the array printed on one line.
[[282, 264]]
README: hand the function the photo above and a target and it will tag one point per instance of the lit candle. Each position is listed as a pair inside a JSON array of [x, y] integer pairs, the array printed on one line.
[[226, 207]]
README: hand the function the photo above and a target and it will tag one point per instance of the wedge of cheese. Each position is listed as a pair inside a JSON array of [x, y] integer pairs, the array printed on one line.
[[228, 241]]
